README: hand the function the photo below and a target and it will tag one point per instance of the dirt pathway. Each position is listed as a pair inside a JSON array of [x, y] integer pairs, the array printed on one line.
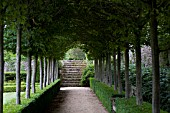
[[75, 100]]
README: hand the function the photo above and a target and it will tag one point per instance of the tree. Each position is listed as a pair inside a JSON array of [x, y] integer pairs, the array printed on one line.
[[34, 73], [18, 64], [1, 67], [41, 72], [155, 59]]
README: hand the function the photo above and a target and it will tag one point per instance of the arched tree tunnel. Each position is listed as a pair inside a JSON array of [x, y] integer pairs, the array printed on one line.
[[47, 29]]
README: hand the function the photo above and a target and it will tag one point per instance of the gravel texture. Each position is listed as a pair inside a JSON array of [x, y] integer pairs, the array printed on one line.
[[75, 100]]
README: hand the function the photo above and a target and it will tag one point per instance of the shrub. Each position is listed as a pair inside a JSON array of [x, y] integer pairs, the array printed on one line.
[[147, 84], [12, 83], [87, 73], [13, 88], [129, 106], [103, 92], [12, 75]]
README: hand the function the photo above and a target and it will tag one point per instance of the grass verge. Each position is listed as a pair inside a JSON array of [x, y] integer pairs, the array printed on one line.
[[35, 101]]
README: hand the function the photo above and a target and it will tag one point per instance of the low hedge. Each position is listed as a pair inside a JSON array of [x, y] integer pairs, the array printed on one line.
[[12, 76], [13, 88], [129, 106], [36, 103], [13, 83], [104, 93]]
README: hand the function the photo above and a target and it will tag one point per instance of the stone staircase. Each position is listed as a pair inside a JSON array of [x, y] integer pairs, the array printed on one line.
[[71, 73]]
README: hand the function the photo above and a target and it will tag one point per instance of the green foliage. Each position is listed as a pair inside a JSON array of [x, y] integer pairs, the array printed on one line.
[[12, 83], [147, 84], [36, 103], [60, 64], [12, 88], [75, 54], [103, 92], [87, 73], [11, 76], [129, 106]]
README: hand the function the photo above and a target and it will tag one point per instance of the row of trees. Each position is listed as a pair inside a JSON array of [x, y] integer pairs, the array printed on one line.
[[48, 28], [32, 28], [109, 27]]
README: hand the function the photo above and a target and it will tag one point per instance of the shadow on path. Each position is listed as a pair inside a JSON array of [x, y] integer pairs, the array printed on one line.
[[75, 100]]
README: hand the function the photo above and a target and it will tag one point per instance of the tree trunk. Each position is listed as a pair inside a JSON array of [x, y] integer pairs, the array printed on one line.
[[41, 73], [18, 65], [139, 99], [34, 74], [108, 69], [48, 71], [115, 74], [54, 69], [118, 71], [127, 84], [28, 79], [1, 68], [155, 60], [96, 68], [100, 69], [45, 71], [103, 70]]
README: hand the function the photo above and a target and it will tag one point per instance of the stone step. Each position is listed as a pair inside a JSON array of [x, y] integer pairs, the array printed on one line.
[[72, 69], [71, 73], [71, 76], [74, 77], [70, 82], [76, 65], [78, 61], [70, 85], [71, 79]]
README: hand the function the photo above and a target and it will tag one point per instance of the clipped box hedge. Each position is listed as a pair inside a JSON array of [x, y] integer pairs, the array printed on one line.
[[12, 75], [129, 106], [104, 93], [37, 103], [13, 88]]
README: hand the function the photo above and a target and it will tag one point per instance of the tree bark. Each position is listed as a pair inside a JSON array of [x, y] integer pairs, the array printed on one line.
[[155, 60], [127, 84], [18, 65], [57, 70], [139, 99], [96, 68], [54, 69], [103, 70], [100, 69], [45, 71], [118, 71], [41, 73], [28, 79], [108, 69], [34, 74], [1, 67], [48, 71], [115, 70]]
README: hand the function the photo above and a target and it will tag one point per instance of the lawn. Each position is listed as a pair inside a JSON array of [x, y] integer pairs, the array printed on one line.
[[9, 96]]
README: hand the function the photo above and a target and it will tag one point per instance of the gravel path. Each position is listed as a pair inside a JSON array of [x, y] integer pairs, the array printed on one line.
[[75, 100]]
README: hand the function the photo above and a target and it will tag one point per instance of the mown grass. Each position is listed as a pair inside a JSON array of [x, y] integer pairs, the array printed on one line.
[[11, 107]]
